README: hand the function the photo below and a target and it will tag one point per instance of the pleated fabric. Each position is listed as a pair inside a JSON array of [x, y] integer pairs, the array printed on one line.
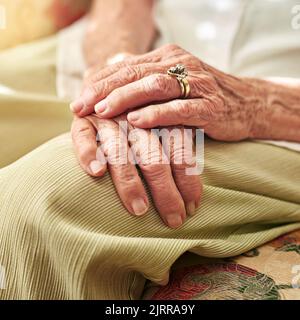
[[65, 235]]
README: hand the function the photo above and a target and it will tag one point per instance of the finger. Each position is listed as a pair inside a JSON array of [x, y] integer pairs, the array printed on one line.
[[195, 112], [158, 175], [179, 146], [124, 174], [84, 140], [97, 74], [153, 88], [94, 92], [119, 74]]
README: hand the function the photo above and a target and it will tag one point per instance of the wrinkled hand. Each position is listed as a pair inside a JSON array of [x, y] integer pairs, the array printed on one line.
[[174, 193], [223, 105]]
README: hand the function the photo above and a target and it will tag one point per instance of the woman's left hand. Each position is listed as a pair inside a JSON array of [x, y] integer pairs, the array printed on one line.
[[224, 106], [174, 192]]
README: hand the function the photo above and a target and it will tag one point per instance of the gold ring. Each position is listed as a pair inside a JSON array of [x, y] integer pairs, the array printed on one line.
[[187, 88], [182, 87], [180, 73]]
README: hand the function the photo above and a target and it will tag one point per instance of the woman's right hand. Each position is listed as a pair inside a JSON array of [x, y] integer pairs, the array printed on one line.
[[174, 193], [226, 107]]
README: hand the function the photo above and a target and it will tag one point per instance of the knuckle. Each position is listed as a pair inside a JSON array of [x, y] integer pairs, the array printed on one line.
[[130, 73], [114, 147], [215, 103], [177, 148], [181, 173], [111, 148], [179, 170], [158, 177], [186, 109], [178, 156], [126, 176], [170, 205], [190, 187], [117, 65], [93, 89], [155, 114], [191, 62], [96, 74], [79, 132], [218, 100], [156, 85], [93, 77], [205, 84], [149, 158], [154, 171], [181, 148]]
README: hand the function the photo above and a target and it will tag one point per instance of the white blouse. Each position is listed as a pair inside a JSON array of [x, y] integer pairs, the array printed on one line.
[[258, 38], [206, 28]]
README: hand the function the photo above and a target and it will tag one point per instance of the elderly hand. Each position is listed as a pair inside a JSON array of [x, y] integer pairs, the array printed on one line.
[[174, 193], [223, 105]]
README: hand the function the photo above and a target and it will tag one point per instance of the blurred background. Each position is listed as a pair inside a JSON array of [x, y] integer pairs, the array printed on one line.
[[28, 20], [248, 37]]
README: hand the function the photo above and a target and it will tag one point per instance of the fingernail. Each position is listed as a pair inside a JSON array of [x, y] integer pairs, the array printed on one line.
[[134, 116], [191, 208], [87, 98], [139, 207], [96, 166], [100, 107], [174, 221], [77, 105]]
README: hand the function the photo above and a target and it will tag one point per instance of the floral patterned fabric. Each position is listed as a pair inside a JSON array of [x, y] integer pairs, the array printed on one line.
[[269, 272]]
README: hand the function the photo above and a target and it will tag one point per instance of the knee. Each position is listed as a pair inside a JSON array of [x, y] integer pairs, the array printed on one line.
[[49, 180], [56, 186]]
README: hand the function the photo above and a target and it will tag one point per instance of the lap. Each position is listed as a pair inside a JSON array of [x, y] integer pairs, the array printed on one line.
[[58, 218]]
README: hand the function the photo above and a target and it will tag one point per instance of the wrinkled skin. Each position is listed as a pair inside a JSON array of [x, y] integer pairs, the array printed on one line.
[[141, 80], [223, 105], [226, 107], [174, 193]]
